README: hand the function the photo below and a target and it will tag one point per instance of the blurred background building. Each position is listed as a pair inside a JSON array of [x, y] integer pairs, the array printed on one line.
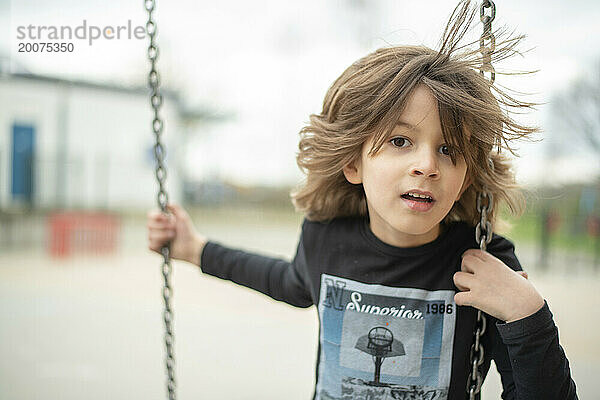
[[71, 144]]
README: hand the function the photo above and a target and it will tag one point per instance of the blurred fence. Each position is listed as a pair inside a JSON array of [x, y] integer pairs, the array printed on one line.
[[61, 234], [548, 240], [77, 232]]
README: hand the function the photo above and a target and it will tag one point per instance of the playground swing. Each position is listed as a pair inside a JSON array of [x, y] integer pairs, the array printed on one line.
[[483, 230]]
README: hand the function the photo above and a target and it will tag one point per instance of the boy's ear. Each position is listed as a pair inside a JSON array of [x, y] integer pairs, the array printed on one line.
[[352, 172]]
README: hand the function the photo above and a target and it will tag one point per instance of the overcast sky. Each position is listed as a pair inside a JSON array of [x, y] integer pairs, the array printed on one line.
[[270, 63]]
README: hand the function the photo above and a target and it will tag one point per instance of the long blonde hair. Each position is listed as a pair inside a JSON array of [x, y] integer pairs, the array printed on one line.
[[366, 100]]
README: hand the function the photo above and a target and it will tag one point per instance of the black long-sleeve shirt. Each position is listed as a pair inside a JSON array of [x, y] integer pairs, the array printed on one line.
[[389, 325]]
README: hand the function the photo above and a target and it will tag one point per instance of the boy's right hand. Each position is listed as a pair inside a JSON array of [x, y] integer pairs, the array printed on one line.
[[177, 228]]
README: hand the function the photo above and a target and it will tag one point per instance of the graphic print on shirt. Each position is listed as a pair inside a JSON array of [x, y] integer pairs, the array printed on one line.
[[382, 342]]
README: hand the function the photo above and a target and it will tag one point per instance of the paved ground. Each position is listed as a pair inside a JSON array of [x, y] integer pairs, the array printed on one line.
[[91, 328]]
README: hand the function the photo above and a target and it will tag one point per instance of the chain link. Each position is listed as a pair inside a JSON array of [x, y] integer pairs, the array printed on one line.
[[156, 101], [483, 230], [487, 41]]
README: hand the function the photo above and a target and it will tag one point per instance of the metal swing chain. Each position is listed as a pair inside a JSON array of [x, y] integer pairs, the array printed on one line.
[[483, 231], [488, 36], [483, 236], [156, 101]]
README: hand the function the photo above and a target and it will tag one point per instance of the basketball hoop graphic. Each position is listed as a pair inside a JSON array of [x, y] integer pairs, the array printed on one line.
[[380, 344]]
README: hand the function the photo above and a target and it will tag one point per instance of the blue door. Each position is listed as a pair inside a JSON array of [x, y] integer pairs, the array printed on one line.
[[22, 162]]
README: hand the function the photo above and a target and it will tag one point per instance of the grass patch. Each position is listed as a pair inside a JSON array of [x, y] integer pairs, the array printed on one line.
[[528, 229]]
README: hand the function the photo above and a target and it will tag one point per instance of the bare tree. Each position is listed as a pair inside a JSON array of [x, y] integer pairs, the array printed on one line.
[[575, 112]]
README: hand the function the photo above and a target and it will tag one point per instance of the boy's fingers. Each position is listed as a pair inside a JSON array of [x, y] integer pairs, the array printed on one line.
[[462, 298], [156, 243], [463, 280], [177, 210], [475, 253], [467, 264], [164, 233], [174, 208], [156, 215], [160, 225]]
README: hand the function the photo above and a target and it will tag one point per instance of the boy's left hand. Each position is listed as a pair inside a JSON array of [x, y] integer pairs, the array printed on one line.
[[487, 284]]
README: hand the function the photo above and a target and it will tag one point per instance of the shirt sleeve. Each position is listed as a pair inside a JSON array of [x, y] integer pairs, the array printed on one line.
[[527, 353], [277, 278], [537, 363]]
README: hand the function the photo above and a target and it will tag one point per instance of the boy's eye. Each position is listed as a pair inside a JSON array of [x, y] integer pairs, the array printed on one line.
[[449, 150], [398, 141]]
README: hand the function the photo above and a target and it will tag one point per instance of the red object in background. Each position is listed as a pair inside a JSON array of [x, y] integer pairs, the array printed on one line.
[[593, 225], [73, 232]]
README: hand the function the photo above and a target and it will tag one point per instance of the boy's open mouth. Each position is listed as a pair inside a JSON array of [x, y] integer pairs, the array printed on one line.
[[417, 197]]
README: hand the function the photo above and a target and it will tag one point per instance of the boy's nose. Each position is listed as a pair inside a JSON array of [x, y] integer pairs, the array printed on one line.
[[425, 165]]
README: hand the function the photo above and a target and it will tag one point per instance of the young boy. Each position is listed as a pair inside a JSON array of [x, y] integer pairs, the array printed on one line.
[[394, 163]]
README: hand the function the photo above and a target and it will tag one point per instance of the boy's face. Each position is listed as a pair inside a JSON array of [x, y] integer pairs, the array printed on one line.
[[411, 160]]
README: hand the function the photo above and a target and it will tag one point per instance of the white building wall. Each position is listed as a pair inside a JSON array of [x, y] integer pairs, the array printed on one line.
[[108, 152]]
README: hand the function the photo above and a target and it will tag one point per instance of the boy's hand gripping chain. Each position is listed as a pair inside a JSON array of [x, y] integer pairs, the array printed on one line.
[[483, 231], [156, 100]]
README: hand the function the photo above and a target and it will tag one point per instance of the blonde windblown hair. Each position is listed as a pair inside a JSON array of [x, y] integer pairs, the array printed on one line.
[[367, 99]]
